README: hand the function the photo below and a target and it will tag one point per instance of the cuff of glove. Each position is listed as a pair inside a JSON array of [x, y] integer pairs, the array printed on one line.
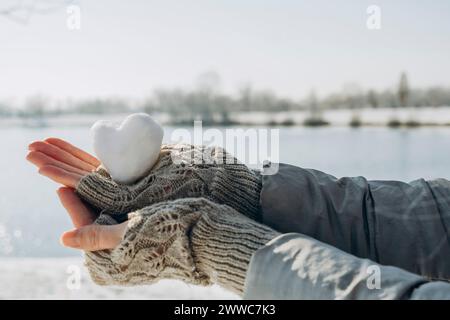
[[99, 190], [240, 188], [223, 245]]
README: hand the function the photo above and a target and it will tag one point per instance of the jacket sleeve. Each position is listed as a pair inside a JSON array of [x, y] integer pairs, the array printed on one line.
[[406, 225], [294, 266]]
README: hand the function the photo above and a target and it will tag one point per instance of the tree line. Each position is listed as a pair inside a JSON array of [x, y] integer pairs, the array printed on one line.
[[211, 105]]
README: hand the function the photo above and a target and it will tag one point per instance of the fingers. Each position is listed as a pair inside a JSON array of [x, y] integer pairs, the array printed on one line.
[[60, 175], [41, 159], [61, 155], [94, 237], [79, 213], [80, 154]]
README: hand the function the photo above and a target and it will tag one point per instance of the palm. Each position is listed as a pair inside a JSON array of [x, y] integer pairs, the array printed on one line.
[[66, 164], [61, 161]]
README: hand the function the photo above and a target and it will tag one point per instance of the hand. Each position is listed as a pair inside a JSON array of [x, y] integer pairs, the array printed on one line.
[[60, 161], [73, 167], [197, 172], [191, 239], [155, 246], [87, 235]]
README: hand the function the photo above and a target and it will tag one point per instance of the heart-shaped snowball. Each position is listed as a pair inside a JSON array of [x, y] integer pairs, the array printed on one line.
[[128, 150]]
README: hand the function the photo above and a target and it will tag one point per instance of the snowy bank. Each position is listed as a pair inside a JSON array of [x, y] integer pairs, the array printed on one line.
[[438, 116], [425, 116], [57, 278]]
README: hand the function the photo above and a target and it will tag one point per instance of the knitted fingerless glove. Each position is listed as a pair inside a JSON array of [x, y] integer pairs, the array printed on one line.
[[194, 240], [182, 171]]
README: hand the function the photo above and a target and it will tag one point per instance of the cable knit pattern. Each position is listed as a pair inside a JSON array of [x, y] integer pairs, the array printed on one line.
[[182, 171], [194, 240]]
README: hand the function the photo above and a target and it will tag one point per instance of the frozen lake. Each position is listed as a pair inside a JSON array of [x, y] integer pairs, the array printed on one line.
[[31, 219]]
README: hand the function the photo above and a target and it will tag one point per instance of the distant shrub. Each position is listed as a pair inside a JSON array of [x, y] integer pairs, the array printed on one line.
[[315, 122], [287, 123], [355, 122], [394, 123]]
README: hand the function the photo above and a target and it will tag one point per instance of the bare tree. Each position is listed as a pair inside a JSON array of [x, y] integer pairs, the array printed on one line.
[[21, 11], [403, 90], [372, 99], [315, 112], [208, 82], [246, 98]]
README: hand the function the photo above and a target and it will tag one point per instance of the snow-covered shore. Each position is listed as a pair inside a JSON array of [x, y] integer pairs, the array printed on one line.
[[439, 116], [425, 116], [57, 278]]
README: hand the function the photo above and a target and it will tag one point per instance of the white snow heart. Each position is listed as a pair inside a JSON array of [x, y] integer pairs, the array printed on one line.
[[129, 150]]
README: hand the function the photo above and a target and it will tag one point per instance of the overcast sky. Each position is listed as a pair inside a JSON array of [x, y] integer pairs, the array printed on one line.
[[128, 48]]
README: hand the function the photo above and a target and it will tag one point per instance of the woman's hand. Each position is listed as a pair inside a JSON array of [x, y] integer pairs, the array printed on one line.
[[191, 239], [61, 161], [87, 236], [198, 172]]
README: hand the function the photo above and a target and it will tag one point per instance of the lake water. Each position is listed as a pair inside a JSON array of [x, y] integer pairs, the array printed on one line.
[[34, 265], [31, 218]]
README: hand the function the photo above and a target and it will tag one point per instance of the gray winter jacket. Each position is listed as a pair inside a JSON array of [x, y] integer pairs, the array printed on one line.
[[349, 230], [294, 266]]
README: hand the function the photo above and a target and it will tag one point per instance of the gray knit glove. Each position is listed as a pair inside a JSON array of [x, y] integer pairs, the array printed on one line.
[[194, 240], [182, 171]]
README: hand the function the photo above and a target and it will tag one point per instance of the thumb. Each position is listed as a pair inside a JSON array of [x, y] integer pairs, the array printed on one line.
[[94, 237]]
